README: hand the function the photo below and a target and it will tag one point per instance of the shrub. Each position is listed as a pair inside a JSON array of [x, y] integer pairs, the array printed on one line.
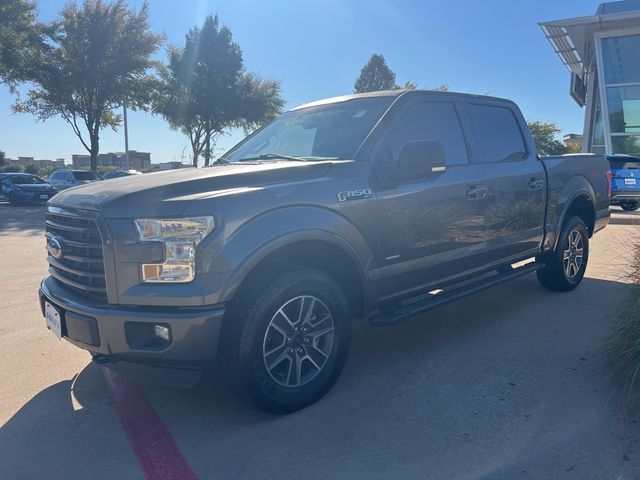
[[624, 345]]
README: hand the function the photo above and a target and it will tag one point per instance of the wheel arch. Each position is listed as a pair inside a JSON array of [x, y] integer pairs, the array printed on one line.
[[317, 238]]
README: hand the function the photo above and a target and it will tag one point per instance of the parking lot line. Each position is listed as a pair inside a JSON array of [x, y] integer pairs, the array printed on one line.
[[150, 439]]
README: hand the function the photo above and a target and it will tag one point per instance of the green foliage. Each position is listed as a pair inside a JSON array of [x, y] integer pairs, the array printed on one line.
[[544, 135], [624, 347], [21, 40], [375, 75], [573, 148], [2, 159], [204, 89], [98, 56], [12, 168], [31, 168]]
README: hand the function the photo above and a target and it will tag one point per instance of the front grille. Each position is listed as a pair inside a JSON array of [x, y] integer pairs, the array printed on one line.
[[81, 265]]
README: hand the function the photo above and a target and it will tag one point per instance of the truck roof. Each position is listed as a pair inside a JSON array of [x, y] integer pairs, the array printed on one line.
[[397, 93]]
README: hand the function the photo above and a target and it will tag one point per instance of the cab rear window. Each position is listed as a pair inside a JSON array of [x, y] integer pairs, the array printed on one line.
[[624, 163]]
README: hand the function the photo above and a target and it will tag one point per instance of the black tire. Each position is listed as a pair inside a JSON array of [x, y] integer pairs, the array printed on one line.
[[253, 330], [554, 275], [12, 200], [630, 206]]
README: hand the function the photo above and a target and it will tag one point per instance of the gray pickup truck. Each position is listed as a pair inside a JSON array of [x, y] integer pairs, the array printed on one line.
[[378, 206]]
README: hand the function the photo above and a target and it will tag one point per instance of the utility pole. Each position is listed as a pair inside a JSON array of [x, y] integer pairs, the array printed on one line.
[[126, 136]]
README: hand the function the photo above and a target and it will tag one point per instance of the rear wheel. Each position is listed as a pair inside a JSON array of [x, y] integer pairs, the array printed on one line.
[[286, 348], [630, 206], [565, 266]]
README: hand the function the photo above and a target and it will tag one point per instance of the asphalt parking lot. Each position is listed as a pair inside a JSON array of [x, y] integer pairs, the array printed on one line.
[[510, 383]]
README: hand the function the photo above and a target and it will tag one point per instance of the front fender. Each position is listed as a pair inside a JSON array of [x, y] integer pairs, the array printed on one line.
[[257, 239]]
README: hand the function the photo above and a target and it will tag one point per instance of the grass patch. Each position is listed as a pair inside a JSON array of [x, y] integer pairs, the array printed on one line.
[[623, 349]]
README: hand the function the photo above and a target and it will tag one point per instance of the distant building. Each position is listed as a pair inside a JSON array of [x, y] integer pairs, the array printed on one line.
[[602, 52], [168, 166], [42, 163], [137, 161], [573, 140]]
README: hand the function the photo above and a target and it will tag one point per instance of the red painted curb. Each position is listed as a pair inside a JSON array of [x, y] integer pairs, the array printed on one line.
[[150, 439]]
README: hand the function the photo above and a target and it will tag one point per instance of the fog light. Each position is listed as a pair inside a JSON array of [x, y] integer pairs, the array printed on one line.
[[161, 332], [148, 336]]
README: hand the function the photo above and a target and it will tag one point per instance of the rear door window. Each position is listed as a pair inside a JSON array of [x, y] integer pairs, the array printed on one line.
[[436, 121], [498, 135]]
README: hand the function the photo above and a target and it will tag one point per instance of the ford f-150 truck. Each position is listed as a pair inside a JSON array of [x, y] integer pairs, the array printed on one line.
[[378, 206]]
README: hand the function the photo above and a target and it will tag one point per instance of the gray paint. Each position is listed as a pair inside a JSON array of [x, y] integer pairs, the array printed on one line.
[[399, 240]]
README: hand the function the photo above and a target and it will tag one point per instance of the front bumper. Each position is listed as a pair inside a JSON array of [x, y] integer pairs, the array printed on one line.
[[102, 329], [33, 197]]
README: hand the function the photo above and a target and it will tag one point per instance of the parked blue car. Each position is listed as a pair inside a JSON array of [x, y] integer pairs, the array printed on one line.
[[625, 181], [25, 188]]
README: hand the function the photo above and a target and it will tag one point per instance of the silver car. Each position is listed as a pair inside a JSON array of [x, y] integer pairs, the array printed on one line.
[[65, 178]]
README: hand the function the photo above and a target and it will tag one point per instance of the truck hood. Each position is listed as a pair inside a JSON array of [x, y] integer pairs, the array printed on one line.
[[168, 193]]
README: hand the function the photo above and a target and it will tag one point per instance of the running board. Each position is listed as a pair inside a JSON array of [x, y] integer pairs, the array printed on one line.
[[439, 299]]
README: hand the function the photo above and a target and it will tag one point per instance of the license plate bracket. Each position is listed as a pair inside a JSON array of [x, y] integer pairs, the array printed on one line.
[[53, 319]]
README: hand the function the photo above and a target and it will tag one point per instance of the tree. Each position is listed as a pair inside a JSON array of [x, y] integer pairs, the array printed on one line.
[[2, 160], [31, 168], [204, 89], [544, 135], [21, 40], [99, 57], [375, 75]]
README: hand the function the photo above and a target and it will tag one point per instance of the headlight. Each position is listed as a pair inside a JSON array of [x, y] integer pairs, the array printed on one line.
[[180, 237]]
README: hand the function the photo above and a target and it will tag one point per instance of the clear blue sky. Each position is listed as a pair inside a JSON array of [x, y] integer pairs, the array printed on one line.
[[316, 49]]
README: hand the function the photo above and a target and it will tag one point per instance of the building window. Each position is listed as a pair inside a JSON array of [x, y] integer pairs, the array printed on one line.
[[621, 64], [598, 145]]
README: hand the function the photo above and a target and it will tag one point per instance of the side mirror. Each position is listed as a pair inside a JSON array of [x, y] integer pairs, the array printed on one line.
[[421, 157]]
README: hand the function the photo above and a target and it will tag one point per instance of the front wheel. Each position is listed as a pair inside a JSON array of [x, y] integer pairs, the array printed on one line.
[[565, 266], [630, 206], [287, 347]]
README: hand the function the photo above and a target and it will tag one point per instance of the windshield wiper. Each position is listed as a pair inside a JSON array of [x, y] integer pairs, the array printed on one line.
[[273, 156]]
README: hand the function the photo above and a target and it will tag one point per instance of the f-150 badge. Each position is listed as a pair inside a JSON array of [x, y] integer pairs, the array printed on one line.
[[357, 194]]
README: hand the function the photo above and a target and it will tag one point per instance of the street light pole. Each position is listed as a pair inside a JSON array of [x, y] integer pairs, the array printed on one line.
[[126, 135]]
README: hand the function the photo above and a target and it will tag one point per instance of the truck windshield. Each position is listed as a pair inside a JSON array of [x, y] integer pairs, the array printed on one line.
[[323, 132]]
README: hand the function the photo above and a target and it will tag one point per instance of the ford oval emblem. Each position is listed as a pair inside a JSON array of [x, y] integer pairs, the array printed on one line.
[[54, 247]]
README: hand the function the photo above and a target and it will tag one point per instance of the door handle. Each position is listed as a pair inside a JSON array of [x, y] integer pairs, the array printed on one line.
[[476, 192], [536, 184]]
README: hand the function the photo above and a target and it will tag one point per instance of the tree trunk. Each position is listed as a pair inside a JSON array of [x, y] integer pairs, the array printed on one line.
[[196, 153], [94, 154], [207, 148]]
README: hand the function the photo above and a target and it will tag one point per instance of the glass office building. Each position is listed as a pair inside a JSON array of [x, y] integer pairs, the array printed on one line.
[[602, 52]]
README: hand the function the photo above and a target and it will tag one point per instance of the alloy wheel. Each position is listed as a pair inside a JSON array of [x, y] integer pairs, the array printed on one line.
[[573, 254], [298, 341]]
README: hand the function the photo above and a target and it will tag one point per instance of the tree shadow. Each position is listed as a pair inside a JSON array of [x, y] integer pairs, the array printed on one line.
[[68, 430], [621, 217], [21, 219]]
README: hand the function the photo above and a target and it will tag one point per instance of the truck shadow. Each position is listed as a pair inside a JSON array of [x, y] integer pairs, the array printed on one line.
[[508, 381]]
